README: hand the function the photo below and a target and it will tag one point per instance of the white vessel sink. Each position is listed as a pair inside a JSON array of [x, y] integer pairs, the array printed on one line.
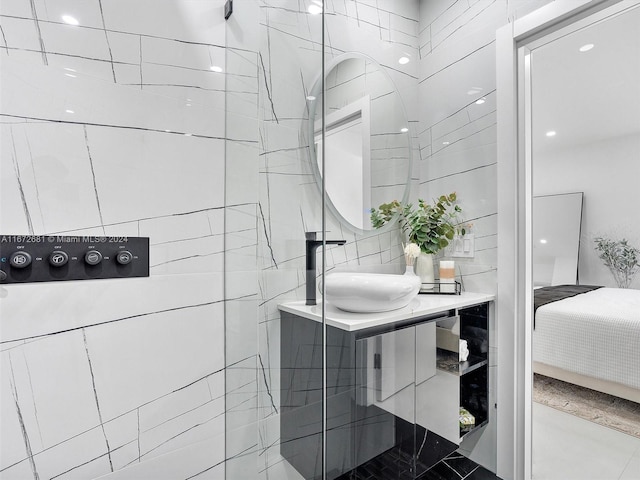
[[370, 292]]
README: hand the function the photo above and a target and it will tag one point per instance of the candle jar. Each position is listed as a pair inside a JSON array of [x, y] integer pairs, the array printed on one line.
[[447, 276]]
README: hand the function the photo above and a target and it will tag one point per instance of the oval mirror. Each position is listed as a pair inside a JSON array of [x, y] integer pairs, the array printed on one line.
[[367, 146]]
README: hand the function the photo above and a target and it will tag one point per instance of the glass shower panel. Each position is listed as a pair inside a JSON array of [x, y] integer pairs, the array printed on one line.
[[273, 56], [385, 404]]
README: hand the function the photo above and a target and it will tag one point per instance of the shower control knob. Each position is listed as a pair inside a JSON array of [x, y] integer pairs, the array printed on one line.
[[93, 257], [58, 258], [124, 257], [3, 275], [20, 260]]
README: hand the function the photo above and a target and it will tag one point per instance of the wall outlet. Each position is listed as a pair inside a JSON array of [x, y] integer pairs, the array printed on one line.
[[462, 246]]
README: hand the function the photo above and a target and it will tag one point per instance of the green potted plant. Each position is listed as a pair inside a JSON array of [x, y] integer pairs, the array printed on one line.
[[622, 259], [430, 226]]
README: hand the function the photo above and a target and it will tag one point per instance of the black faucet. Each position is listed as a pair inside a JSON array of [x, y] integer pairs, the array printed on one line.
[[312, 244]]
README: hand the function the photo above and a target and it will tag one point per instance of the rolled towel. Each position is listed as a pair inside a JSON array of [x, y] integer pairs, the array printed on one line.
[[463, 351]]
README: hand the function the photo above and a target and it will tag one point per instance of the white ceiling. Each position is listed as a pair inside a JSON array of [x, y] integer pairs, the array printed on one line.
[[587, 96]]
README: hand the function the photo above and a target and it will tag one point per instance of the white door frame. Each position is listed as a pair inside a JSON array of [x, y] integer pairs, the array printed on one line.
[[513, 301]]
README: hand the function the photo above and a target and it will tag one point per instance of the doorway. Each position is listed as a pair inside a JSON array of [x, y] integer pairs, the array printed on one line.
[[523, 124]]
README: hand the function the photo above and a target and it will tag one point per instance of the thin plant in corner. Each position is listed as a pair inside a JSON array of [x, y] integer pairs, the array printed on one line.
[[621, 258], [431, 227]]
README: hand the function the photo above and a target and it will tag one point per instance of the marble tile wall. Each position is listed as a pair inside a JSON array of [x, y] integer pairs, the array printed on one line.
[[457, 138], [116, 126], [457, 127]]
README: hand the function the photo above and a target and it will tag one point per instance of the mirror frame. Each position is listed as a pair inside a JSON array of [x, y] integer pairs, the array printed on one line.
[[316, 90]]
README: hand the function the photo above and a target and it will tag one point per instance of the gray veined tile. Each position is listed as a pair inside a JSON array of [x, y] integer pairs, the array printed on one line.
[[87, 43], [181, 54], [21, 34]]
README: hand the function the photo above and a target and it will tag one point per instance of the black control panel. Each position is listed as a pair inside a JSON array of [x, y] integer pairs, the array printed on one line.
[[47, 258]]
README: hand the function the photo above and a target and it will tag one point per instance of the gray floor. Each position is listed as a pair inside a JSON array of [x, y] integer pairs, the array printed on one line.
[[566, 447]]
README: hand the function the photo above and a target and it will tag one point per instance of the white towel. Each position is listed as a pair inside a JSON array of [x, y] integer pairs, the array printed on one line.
[[463, 351]]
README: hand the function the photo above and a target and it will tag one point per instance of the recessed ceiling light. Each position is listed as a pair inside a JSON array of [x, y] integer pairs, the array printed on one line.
[[70, 75], [70, 111], [445, 143], [480, 101], [314, 9], [311, 98], [187, 104], [404, 129], [69, 69], [70, 20], [403, 60], [586, 47], [551, 133], [542, 240], [215, 68]]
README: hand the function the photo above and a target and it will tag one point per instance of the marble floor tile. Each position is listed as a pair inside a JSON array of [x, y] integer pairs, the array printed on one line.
[[566, 447]]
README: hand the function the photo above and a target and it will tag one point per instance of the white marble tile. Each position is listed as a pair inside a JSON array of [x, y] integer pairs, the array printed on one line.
[[280, 469], [122, 434], [53, 93], [21, 470], [200, 255], [72, 40], [242, 379], [80, 67], [15, 448], [238, 35], [469, 147], [185, 428], [570, 448], [17, 8], [125, 48], [632, 468], [242, 63], [155, 74], [56, 407], [164, 363], [171, 184], [127, 74], [182, 227], [480, 20], [87, 13], [446, 90], [21, 33], [55, 174], [68, 302], [241, 172], [162, 51], [84, 455], [193, 21], [241, 332], [242, 452], [12, 219], [202, 460]]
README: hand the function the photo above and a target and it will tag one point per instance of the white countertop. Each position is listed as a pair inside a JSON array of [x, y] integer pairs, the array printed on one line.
[[419, 306]]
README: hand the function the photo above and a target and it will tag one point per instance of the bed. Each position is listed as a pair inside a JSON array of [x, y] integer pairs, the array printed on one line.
[[590, 338]]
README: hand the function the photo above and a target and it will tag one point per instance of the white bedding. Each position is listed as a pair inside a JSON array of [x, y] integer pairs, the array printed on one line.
[[596, 334]]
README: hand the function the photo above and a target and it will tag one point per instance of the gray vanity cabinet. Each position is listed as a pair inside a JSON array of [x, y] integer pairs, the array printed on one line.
[[391, 393]]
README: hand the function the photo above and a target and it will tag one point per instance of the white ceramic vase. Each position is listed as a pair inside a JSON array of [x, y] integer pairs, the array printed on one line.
[[409, 270], [424, 269]]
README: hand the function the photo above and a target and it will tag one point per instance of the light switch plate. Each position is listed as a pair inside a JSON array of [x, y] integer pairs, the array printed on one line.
[[462, 246]]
